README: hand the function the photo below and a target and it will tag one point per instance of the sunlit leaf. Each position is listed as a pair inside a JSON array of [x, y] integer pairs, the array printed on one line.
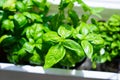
[[88, 48], [54, 55], [72, 45], [65, 31]]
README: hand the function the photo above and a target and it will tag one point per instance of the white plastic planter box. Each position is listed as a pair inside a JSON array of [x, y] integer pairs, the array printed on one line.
[[26, 72], [14, 72]]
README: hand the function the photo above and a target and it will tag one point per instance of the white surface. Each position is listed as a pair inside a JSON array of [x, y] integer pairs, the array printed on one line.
[[111, 4], [61, 72]]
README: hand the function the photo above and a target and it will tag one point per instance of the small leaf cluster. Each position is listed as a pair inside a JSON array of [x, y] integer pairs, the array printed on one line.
[[21, 30], [110, 32]]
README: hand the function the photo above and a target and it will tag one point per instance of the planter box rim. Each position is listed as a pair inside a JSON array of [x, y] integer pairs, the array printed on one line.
[[59, 72]]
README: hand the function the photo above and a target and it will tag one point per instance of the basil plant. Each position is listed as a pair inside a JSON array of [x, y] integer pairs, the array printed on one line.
[[30, 35]]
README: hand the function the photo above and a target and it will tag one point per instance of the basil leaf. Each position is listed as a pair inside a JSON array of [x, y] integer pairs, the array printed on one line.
[[88, 48], [63, 4], [20, 6], [41, 4], [84, 6], [83, 28], [65, 31], [85, 17], [38, 43], [80, 36], [13, 59], [1, 14], [95, 39], [33, 16], [57, 20], [72, 45], [28, 47], [8, 41], [8, 25], [51, 36], [9, 5], [70, 58], [96, 11], [38, 2], [35, 58], [35, 31], [20, 19], [36, 17], [28, 4], [74, 17], [114, 44], [54, 55], [21, 53], [100, 59], [4, 37], [93, 28], [2, 2]]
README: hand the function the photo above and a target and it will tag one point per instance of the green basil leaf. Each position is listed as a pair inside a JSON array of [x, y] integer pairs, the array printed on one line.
[[100, 59], [57, 20], [114, 21], [72, 45], [4, 37], [9, 5], [88, 48], [1, 14], [81, 36], [20, 19], [38, 2], [74, 17], [75, 33], [96, 11], [83, 28], [95, 39], [93, 28], [8, 41], [41, 4], [28, 47], [8, 25], [28, 4], [35, 58], [21, 53], [63, 4], [54, 55], [20, 6], [36, 17], [84, 6], [35, 31], [85, 17], [27, 14], [33, 16], [65, 31], [114, 53], [51, 36], [38, 43], [114, 44], [70, 59], [2, 2], [13, 59]]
